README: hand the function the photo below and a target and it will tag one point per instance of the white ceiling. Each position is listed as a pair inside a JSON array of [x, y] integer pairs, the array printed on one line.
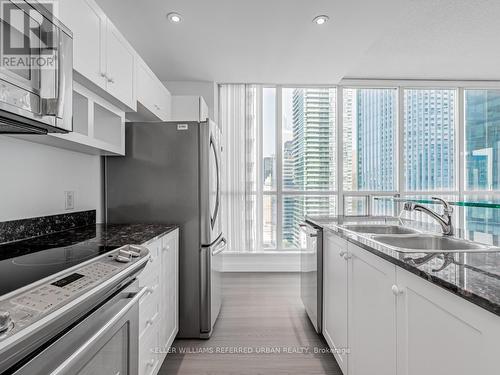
[[274, 41]]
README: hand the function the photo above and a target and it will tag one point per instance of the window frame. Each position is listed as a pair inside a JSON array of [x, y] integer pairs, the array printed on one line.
[[460, 165]]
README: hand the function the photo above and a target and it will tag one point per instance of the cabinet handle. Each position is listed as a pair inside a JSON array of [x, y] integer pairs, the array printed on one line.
[[149, 322], [111, 80], [347, 256], [151, 363], [151, 260], [396, 291], [150, 290], [342, 253]]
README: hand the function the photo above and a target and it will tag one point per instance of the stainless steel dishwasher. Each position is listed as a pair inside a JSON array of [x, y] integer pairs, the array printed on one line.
[[311, 274]]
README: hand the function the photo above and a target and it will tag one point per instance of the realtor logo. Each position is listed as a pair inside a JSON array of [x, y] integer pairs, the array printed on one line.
[[28, 39]]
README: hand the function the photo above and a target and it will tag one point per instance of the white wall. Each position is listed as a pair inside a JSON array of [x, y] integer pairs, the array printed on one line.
[[34, 177], [262, 262], [207, 89]]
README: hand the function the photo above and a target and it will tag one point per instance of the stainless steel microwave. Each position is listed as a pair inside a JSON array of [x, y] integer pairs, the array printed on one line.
[[36, 69]]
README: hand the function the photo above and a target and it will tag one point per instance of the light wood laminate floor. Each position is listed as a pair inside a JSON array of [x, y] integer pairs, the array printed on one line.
[[260, 312]]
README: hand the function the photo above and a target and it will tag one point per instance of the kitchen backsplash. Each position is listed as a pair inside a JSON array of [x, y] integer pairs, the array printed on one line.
[[38, 226]]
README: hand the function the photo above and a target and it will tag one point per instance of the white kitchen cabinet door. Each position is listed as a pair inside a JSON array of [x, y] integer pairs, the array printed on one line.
[[120, 67], [165, 102], [372, 314], [439, 333], [151, 93], [88, 24], [170, 289], [189, 108], [335, 297]]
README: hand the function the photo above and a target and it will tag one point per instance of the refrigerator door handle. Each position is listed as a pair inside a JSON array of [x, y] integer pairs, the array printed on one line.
[[220, 248], [217, 196]]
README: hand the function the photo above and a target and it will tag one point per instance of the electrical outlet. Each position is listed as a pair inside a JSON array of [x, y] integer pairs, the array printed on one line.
[[69, 200]]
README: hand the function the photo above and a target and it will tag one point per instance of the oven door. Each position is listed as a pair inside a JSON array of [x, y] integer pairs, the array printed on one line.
[[106, 342]]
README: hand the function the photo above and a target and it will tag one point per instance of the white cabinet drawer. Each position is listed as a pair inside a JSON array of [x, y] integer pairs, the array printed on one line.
[[149, 358], [149, 310]]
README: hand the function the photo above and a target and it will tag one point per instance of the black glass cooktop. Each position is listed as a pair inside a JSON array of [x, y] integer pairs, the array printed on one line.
[[24, 262]]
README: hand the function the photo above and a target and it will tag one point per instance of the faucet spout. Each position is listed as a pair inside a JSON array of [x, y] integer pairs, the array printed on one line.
[[445, 220]]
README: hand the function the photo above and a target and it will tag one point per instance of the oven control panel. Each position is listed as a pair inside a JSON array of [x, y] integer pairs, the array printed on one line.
[[22, 310], [46, 297]]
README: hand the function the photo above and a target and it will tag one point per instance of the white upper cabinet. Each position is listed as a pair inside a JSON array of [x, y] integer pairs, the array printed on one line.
[[101, 54], [189, 108], [154, 97], [88, 24], [120, 66]]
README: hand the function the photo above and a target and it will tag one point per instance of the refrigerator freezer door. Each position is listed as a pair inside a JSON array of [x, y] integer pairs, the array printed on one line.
[[211, 285]]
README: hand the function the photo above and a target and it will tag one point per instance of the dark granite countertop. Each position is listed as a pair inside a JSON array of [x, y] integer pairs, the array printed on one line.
[[473, 276], [105, 236]]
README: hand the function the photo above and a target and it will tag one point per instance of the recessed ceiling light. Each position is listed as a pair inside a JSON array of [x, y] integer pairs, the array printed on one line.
[[174, 17], [321, 20]]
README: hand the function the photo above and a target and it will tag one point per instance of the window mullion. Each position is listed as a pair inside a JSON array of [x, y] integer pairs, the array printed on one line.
[[340, 150], [400, 142], [460, 153], [259, 182], [279, 168]]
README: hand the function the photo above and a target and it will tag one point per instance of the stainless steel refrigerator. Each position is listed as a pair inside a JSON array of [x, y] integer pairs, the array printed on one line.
[[172, 174]]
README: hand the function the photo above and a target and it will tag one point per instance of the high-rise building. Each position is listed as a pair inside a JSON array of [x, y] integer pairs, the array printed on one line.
[[269, 177], [309, 160], [375, 139], [349, 180], [429, 126]]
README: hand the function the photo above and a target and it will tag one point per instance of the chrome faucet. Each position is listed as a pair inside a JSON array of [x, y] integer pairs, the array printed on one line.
[[444, 220]]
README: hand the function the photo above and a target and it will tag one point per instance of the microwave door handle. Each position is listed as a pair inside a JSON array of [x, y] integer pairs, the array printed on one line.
[[55, 106]]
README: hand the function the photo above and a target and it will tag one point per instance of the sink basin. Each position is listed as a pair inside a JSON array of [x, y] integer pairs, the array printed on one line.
[[432, 244], [380, 229]]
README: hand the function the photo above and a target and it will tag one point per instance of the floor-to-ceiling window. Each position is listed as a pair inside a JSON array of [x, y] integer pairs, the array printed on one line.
[[482, 160], [345, 150]]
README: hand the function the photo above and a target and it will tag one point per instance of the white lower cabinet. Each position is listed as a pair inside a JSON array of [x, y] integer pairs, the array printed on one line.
[[335, 297], [394, 322], [169, 311], [371, 314], [158, 309], [440, 333]]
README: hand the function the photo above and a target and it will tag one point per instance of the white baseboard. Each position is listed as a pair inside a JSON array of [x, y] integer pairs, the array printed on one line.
[[262, 262]]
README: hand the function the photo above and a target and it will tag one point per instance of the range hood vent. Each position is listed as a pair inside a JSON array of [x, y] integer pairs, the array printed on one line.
[[13, 124], [13, 127]]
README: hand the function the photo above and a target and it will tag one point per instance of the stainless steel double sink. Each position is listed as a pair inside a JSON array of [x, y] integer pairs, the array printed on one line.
[[408, 240]]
